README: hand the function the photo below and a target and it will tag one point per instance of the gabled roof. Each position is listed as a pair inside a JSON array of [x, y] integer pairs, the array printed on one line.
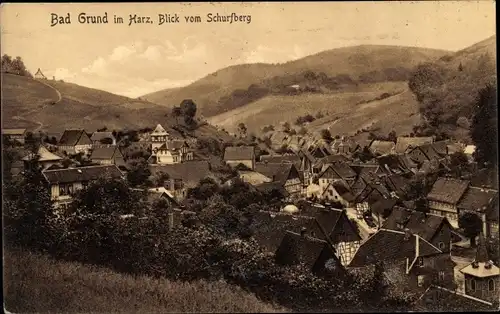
[[278, 159], [277, 172], [71, 137], [98, 136], [391, 245], [190, 172], [13, 131], [342, 189], [441, 147], [404, 143], [384, 206], [254, 178], [364, 168], [448, 190], [428, 151], [81, 174], [159, 130], [382, 147], [269, 227], [239, 153], [44, 155], [328, 220], [438, 299], [340, 168], [417, 222], [397, 183], [331, 159], [477, 199], [103, 152], [153, 196]]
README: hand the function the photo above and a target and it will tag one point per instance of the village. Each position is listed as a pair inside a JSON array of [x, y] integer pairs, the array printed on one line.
[[418, 205]]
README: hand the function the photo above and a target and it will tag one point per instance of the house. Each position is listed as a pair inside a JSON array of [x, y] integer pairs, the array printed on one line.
[[338, 191], [253, 178], [344, 146], [318, 255], [333, 225], [482, 202], [17, 135], [63, 183], [39, 75], [46, 159], [382, 147], [469, 151], [158, 136], [320, 149], [74, 141], [156, 194], [405, 144], [245, 155], [397, 164], [397, 184], [335, 172], [171, 152], [320, 164], [285, 174], [268, 228], [306, 165], [107, 156], [368, 189], [361, 169], [444, 197], [433, 229], [439, 299], [190, 173], [410, 262], [423, 153], [103, 139], [482, 277], [382, 209]]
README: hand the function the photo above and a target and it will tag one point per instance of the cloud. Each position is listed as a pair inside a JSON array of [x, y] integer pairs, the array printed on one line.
[[135, 68]]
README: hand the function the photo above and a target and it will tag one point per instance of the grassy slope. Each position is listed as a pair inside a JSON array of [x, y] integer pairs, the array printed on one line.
[[351, 60], [35, 283], [80, 106], [399, 112]]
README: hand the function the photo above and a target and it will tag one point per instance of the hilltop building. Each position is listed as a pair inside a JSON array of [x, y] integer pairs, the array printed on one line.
[[39, 75]]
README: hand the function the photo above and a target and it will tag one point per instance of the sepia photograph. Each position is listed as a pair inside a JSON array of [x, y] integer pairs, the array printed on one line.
[[334, 157]]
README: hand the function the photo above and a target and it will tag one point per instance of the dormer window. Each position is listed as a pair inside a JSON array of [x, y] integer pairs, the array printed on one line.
[[420, 261]]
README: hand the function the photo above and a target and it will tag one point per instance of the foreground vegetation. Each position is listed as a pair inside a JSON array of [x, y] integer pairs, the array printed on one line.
[[37, 283]]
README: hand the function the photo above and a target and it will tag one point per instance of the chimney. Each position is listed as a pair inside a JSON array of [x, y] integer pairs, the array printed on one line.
[[303, 231], [171, 221], [407, 234]]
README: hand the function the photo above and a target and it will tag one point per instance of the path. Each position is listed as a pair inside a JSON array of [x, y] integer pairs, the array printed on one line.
[[59, 96]]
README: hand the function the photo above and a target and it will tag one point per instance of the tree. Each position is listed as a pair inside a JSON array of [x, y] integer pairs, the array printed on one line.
[[460, 67], [188, 110], [139, 173], [176, 112], [326, 135], [392, 136], [286, 127], [242, 129], [459, 163], [484, 127], [472, 226]]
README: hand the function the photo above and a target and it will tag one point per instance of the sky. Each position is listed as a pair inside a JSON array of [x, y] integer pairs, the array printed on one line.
[[137, 59]]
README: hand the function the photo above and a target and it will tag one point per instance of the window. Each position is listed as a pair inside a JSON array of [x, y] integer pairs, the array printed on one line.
[[491, 285], [65, 189], [420, 261], [472, 285], [441, 276], [420, 281], [441, 245]]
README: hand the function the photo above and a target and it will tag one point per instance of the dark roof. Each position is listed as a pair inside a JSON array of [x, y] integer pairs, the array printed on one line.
[[306, 154], [190, 172], [277, 172], [81, 174], [103, 152], [437, 299], [429, 151], [343, 190], [390, 245], [448, 190], [71, 137], [269, 227], [395, 163], [383, 206], [239, 153], [97, 136], [269, 186], [342, 169], [441, 147], [397, 183], [153, 196], [302, 249], [364, 168], [331, 159], [417, 222], [477, 199]]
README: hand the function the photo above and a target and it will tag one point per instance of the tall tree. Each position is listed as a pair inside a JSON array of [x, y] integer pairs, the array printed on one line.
[[242, 129], [484, 126], [472, 226]]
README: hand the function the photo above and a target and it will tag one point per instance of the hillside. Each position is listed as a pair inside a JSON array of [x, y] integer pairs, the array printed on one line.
[[447, 89], [54, 106], [36, 283], [357, 63]]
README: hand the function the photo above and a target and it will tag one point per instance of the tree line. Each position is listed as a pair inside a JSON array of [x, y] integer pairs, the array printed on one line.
[[14, 66]]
